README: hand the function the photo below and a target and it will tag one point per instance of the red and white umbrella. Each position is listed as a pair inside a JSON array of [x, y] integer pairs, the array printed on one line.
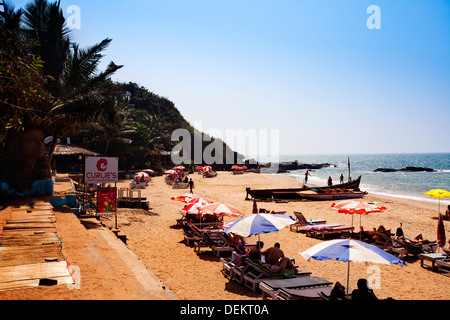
[[355, 207], [193, 206], [150, 171], [207, 169], [199, 168], [228, 224], [170, 171], [143, 175], [179, 168], [185, 197], [221, 209], [235, 167]]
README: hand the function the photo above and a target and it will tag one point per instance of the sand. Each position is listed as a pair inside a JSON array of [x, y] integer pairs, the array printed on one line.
[[158, 243]]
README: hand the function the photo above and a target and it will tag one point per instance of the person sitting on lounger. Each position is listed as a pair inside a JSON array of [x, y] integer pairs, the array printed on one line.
[[255, 253], [399, 233], [338, 291], [273, 254], [281, 266], [363, 292]]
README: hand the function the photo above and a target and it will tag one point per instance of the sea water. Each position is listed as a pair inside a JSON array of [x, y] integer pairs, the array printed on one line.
[[409, 185]]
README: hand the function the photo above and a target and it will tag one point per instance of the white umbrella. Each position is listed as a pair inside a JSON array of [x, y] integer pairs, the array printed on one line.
[[348, 250], [257, 224]]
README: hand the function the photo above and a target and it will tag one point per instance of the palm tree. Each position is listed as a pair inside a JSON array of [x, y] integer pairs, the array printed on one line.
[[22, 96], [79, 97]]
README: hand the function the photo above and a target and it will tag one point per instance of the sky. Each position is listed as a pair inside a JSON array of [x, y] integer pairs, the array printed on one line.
[[302, 76]]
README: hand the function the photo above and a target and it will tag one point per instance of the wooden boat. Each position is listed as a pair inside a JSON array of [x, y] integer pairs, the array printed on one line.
[[330, 194], [292, 193]]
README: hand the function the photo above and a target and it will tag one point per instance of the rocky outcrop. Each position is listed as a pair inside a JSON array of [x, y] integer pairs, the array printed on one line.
[[407, 169]]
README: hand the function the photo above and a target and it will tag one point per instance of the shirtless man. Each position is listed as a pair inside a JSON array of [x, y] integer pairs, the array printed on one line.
[[273, 254]]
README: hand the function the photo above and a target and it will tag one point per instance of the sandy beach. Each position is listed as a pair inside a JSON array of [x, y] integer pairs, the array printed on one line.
[[158, 243]]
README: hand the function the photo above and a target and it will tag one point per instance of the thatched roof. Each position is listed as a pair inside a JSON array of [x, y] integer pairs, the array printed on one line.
[[71, 150]]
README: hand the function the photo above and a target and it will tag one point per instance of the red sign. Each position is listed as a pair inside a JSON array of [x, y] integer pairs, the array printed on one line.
[[106, 201]]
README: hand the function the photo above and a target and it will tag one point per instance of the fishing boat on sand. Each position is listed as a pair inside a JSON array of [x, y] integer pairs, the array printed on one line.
[[330, 194], [295, 193]]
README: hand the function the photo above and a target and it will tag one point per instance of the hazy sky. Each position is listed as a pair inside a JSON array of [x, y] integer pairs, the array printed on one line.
[[310, 70]]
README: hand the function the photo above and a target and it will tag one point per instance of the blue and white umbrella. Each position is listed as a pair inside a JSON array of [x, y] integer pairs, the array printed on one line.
[[259, 224], [348, 250]]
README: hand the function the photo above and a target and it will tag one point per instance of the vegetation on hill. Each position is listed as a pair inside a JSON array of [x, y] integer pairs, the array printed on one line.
[[48, 82]]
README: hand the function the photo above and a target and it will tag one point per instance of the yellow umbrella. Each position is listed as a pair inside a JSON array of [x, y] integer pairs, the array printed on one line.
[[439, 194]]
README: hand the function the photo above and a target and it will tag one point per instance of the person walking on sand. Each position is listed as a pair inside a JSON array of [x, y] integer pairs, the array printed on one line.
[[191, 185], [341, 179], [330, 181]]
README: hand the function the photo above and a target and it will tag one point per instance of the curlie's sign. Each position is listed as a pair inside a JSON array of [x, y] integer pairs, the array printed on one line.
[[101, 170]]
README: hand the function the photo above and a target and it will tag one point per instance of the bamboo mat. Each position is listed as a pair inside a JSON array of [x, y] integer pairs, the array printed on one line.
[[31, 251], [34, 275]]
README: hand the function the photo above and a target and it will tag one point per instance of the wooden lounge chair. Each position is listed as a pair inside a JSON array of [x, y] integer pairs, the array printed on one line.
[[212, 241], [390, 244], [432, 258], [443, 265], [191, 233], [320, 231], [414, 249], [256, 273], [271, 288], [301, 222]]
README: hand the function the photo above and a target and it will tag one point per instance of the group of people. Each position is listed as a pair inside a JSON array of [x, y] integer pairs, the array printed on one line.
[[330, 180], [362, 293], [272, 259]]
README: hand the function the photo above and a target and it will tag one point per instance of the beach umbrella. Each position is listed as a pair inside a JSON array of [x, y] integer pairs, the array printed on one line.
[[194, 206], [228, 224], [355, 207], [143, 175], [207, 169], [185, 197], [441, 238], [150, 171], [220, 209], [235, 167], [199, 200], [439, 194], [257, 224], [170, 171], [347, 250], [179, 168], [199, 168]]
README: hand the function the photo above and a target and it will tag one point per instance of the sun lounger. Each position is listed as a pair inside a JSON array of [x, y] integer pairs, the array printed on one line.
[[254, 274], [432, 258], [304, 294], [390, 244], [301, 222], [214, 242], [191, 233], [271, 288], [320, 231], [415, 249]]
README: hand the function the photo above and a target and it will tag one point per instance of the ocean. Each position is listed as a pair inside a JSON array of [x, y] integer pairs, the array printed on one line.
[[408, 185]]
